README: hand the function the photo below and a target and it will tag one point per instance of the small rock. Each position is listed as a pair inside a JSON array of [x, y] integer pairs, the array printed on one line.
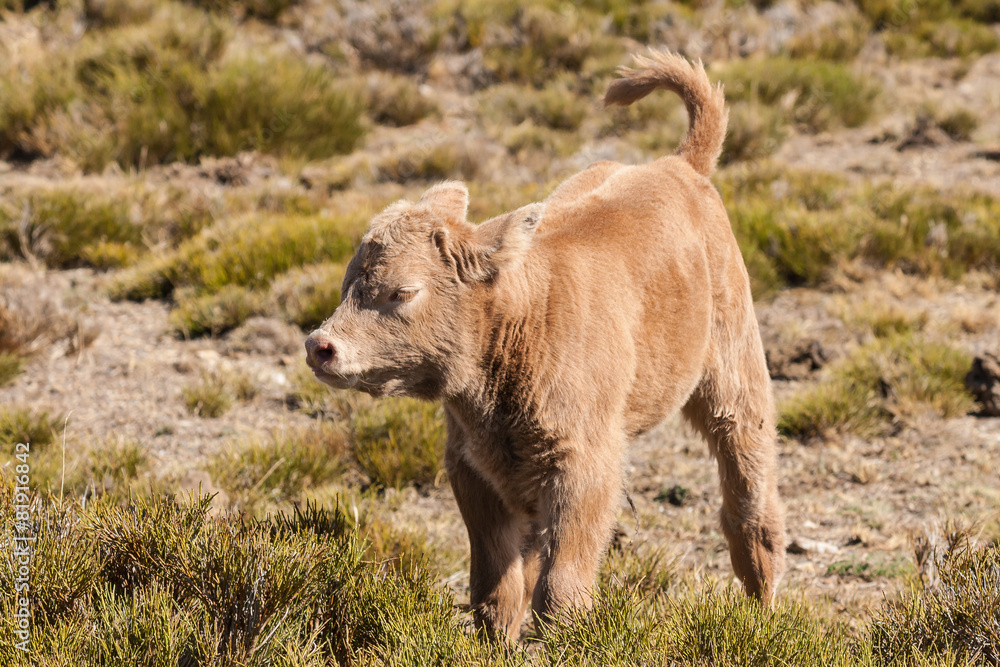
[[804, 545], [209, 357], [983, 382], [924, 133], [803, 359]]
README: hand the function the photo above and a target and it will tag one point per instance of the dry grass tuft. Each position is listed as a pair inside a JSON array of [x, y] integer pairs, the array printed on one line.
[[10, 367], [30, 317], [880, 318], [266, 473], [214, 314], [755, 132], [209, 397], [38, 428], [952, 610], [397, 101], [840, 40]]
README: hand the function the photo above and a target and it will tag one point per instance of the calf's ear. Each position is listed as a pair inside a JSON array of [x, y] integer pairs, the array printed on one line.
[[448, 200], [479, 253]]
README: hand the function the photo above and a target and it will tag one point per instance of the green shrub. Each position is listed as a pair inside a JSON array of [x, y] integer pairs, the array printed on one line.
[[109, 13], [935, 27], [712, 627], [156, 579], [399, 441], [159, 578], [794, 227], [987, 11], [434, 162], [556, 106], [726, 627], [246, 252], [105, 255], [402, 548], [71, 226], [638, 20], [882, 319], [137, 87], [869, 569], [307, 393], [66, 227], [528, 138], [888, 378], [112, 467], [309, 295], [278, 105], [117, 462], [647, 570], [958, 124], [214, 314], [926, 232], [824, 95], [944, 39], [836, 405], [243, 385], [619, 630], [801, 246], [525, 44], [161, 91], [64, 565]]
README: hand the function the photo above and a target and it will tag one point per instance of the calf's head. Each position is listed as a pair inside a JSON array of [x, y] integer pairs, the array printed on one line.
[[414, 295]]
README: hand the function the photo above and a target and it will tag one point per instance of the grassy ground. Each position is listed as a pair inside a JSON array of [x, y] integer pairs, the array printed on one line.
[[160, 581], [181, 184]]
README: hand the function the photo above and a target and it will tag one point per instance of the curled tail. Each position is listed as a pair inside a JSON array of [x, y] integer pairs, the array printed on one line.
[[705, 103]]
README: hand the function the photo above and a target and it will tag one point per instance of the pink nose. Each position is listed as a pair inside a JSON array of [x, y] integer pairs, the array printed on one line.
[[319, 350]]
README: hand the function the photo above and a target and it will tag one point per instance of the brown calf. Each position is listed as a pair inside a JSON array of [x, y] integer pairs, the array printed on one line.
[[557, 332]]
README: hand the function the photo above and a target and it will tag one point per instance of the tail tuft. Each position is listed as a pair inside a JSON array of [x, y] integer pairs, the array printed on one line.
[[706, 106]]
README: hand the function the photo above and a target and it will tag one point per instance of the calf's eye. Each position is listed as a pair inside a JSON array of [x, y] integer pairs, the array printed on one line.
[[403, 294]]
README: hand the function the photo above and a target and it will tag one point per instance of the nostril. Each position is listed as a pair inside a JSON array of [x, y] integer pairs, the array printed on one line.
[[319, 350], [325, 351]]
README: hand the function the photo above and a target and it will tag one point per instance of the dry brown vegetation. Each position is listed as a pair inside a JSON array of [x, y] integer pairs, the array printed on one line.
[[181, 182]]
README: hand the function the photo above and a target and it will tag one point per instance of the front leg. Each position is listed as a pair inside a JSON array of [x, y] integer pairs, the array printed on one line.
[[496, 536], [579, 505]]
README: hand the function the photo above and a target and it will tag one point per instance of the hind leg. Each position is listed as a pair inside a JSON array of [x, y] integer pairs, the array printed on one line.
[[733, 408]]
